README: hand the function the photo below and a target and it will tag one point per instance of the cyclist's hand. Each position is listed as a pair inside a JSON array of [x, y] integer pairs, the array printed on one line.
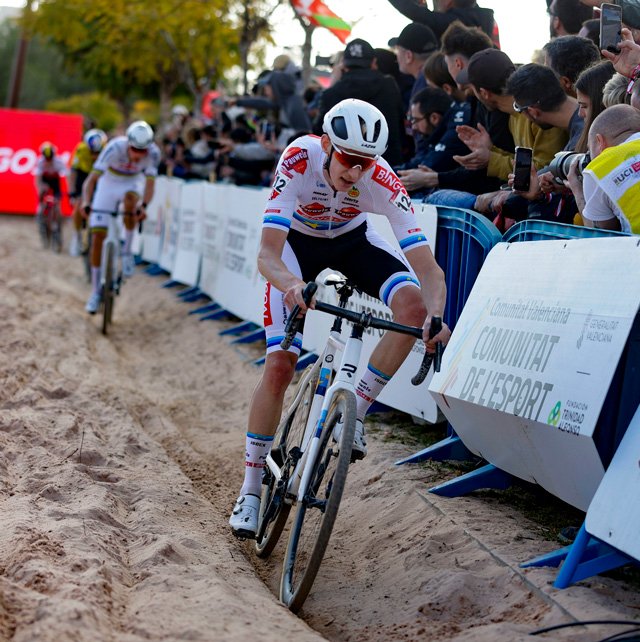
[[141, 212], [85, 210], [293, 297], [442, 337]]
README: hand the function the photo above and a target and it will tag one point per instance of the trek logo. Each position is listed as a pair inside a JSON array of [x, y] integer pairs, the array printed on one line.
[[296, 160], [387, 179], [630, 171]]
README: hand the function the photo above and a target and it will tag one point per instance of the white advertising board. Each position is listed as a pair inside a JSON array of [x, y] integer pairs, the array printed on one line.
[[186, 267], [530, 361], [614, 514], [216, 203], [399, 393], [239, 287], [153, 225], [171, 224]]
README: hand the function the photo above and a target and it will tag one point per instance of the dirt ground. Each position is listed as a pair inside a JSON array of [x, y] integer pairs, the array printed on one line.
[[120, 459]]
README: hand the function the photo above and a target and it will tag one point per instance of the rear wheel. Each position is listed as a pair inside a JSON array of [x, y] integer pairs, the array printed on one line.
[[273, 509], [108, 294], [316, 513]]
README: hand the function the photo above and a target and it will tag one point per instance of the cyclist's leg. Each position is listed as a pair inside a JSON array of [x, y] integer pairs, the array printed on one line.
[[130, 203], [266, 406], [75, 241]]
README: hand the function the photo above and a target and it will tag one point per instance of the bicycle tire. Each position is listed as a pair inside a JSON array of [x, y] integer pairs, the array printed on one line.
[[312, 526], [288, 435], [56, 233], [107, 292], [86, 256], [43, 228]]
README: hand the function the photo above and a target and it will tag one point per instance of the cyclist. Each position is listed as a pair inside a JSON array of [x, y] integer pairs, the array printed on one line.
[[50, 169], [123, 173], [82, 160], [316, 217]]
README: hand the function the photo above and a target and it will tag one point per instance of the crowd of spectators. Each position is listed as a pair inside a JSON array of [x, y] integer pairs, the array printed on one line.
[[457, 108]]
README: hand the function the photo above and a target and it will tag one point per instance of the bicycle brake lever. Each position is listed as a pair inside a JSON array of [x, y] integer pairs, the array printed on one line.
[[294, 321], [429, 358]]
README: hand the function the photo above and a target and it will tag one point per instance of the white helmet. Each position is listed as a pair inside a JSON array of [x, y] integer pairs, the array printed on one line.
[[179, 110], [95, 139], [140, 135], [358, 127]]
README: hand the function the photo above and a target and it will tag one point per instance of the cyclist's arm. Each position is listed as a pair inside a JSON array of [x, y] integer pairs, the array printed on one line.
[[273, 269], [149, 190], [433, 288], [88, 188]]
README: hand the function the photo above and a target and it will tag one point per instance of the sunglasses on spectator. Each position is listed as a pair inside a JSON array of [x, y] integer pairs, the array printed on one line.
[[352, 160], [520, 108]]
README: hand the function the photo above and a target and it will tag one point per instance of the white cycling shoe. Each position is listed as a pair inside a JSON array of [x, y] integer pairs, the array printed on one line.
[[359, 450], [93, 303], [128, 265], [244, 517]]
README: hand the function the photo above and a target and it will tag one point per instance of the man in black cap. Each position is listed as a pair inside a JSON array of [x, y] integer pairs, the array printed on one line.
[[413, 46], [447, 11], [360, 80]]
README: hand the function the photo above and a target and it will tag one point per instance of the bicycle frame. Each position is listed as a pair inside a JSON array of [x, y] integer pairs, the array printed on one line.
[[112, 239]]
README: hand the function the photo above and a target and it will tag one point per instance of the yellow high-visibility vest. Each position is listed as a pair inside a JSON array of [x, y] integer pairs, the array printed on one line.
[[617, 172]]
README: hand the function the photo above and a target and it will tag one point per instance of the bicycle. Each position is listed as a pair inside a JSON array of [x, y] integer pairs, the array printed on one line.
[[50, 221], [305, 467]]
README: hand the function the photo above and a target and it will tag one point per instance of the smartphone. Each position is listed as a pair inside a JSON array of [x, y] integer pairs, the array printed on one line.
[[522, 169], [610, 27], [266, 129]]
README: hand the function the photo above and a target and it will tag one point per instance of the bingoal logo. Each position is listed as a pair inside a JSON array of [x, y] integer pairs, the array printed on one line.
[[21, 161]]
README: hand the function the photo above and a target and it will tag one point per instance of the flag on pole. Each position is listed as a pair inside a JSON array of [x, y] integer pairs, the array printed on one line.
[[318, 14]]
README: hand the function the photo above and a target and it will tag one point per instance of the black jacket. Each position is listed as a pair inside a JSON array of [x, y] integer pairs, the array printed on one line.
[[376, 88], [438, 22]]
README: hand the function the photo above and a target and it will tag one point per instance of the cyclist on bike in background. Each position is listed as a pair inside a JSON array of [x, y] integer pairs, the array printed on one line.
[[82, 160], [50, 169], [316, 217], [124, 173]]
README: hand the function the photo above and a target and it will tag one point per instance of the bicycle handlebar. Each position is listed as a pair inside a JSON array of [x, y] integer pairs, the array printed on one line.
[[367, 320]]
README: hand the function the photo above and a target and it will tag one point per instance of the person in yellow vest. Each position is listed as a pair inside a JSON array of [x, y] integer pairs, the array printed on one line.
[[609, 194], [82, 160]]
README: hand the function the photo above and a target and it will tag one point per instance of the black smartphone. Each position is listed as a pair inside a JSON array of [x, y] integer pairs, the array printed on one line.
[[610, 27], [522, 169]]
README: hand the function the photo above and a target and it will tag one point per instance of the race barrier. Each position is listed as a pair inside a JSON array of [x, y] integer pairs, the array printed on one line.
[[21, 134], [538, 379]]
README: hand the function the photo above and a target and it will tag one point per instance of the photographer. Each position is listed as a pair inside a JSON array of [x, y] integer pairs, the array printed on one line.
[[608, 191]]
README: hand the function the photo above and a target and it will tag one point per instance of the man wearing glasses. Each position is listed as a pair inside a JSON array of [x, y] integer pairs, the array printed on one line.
[[316, 217]]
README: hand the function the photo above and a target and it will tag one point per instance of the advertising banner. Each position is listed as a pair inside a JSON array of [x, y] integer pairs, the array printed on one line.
[[171, 224], [21, 134], [154, 223], [217, 201], [532, 356], [186, 268]]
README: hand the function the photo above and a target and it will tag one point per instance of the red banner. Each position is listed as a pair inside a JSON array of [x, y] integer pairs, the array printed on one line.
[[21, 134]]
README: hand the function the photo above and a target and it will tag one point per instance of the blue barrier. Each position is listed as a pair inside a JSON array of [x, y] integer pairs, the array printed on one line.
[[534, 230]]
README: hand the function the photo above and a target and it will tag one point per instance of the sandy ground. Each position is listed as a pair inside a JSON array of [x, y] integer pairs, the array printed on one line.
[[120, 458]]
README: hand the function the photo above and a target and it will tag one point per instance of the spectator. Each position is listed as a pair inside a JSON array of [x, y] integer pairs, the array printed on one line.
[[412, 47], [201, 154], [567, 17], [386, 62], [589, 90], [609, 193], [615, 91], [360, 80], [459, 43], [591, 29], [448, 11], [568, 56], [435, 117], [630, 11]]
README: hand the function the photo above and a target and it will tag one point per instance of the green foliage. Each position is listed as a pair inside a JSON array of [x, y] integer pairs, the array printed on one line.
[[103, 111]]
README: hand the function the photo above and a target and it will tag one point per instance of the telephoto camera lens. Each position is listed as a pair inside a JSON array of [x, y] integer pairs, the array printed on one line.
[[561, 164]]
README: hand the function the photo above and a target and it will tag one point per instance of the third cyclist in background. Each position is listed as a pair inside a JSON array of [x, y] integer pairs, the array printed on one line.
[[124, 175], [82, 160]]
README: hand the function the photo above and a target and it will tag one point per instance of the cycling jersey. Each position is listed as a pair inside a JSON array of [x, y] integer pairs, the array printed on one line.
[[331, 229], [114, 160], [50, 168], [82, 158], [302, 199]]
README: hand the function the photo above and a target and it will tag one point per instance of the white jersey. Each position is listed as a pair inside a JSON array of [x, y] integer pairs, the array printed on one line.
[[50, 168], [302, 200], [114, 160]]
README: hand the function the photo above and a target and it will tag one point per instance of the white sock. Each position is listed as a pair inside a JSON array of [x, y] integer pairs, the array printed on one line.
[[95, 279], [257, 449], [128, 240], [368, 389]]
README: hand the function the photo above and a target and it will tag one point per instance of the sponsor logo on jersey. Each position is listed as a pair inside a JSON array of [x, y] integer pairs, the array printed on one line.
[[273, 211], [296, 160], [314, 210], [354, 192], [387, 179], [266, 313], [348, 212], [415, 230]]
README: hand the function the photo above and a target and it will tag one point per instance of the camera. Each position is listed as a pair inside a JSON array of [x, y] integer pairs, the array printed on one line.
[[561, 164]]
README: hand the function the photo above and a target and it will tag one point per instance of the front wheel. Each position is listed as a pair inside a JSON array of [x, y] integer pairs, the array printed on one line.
[[273, 509], [316, 513], [108, 293]]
